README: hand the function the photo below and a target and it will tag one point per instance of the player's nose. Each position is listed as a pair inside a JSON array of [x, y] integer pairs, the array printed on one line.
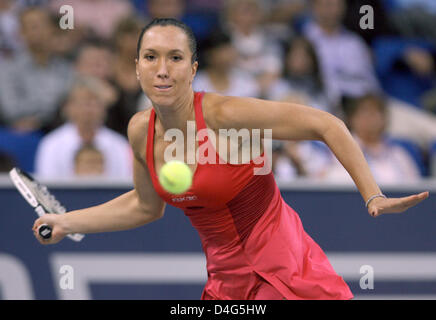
[[162, 70]]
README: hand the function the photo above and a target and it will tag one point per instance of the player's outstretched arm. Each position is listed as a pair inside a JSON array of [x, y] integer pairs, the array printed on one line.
[[135, 208], [290, 121]]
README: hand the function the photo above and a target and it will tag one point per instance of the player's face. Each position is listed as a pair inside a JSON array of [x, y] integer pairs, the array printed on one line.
[[164, 67]]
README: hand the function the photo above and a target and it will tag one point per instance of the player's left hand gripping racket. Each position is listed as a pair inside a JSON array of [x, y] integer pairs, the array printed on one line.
[[41, 200]]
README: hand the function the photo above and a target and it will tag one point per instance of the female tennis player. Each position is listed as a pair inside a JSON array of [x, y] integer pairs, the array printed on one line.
[[255, 244]]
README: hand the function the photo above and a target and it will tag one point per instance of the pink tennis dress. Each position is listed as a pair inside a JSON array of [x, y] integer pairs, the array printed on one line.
[[255, 244]]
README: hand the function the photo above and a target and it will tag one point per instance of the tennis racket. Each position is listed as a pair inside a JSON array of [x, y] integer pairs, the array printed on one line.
[[41, 200]]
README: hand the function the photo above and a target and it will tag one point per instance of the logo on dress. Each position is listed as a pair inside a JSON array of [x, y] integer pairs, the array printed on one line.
[[184, 198]]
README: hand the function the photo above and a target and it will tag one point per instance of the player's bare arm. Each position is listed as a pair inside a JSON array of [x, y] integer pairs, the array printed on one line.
[[290, 121], [130, 210]]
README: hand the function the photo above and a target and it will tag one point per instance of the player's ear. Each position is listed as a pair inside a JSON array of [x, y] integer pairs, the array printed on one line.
[[194, 70]]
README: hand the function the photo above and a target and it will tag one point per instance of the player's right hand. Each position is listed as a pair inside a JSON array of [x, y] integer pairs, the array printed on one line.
[[55, 222]]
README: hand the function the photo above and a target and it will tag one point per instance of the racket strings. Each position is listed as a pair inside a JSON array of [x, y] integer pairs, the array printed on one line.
[[48, 199]]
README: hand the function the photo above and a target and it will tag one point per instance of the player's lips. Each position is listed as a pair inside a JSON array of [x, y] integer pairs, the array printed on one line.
[[163, 87]]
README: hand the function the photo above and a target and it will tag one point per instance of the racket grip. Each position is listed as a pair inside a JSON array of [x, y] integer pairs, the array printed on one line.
[[44, 231]]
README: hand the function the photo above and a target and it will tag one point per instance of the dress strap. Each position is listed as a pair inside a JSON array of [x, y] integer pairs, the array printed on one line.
[[150, 141], [198, 106]]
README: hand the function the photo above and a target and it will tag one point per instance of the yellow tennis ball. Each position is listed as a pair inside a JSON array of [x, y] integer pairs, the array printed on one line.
[[175, 177]]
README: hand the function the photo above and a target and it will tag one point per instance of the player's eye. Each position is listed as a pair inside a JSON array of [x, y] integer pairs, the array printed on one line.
[[149, 57], [177, 58]]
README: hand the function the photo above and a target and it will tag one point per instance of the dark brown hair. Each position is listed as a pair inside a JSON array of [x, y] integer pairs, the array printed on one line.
[[163, 22]]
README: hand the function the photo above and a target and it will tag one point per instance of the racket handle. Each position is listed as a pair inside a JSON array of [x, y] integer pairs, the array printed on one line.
[[44, 231]]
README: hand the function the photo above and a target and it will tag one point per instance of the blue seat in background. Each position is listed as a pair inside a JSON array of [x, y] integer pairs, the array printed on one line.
[[20, 146]]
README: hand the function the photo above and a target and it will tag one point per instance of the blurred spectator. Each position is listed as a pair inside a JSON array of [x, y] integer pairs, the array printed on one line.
[[414, 19], [96, 59], [258, 53], [306, 159], [301, 81], [345, 59], [85, 110], [124, 76], [33, 83], [88, 162], [283, 11], [389, 161], [10, 40], [66, 42], [220, 74], [201, 21], [406, 68], [99, 17], [166, 8]]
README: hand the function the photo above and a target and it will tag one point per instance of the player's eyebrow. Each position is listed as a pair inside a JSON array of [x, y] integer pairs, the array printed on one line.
[[171, 51]]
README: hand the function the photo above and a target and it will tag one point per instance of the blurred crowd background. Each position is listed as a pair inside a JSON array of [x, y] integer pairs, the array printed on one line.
[[66, 96]]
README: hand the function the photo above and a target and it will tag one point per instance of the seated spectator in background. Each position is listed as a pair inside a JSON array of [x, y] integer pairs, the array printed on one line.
[[166, 9], [306, 159], [283, 11], [258, 53], [33, 83], [389, 162], [98, 17], [124, 75], [202, 22], [406, 68], [85, 111], [301, 83], [413, 19], [345, 59], [219, 74], [89, 162], [96, 59], [10, 41], [301, 80], [66, 41]]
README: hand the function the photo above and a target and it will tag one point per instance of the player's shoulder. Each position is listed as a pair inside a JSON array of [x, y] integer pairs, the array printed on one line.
[[221, 111], [137, 129]]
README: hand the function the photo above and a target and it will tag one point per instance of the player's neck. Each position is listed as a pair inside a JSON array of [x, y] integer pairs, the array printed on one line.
[[177, 115]]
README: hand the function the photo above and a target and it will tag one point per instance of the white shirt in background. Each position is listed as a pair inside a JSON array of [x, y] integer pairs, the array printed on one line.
[[241, 85], [391, 164], [345, 62], [56, 152]]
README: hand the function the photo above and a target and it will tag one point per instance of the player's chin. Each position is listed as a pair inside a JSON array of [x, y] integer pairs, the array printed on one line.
[[163, 99]]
